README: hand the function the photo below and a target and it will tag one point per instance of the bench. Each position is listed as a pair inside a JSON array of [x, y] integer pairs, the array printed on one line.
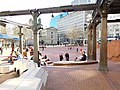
[[32, 79], [22, 65], [6, 67]]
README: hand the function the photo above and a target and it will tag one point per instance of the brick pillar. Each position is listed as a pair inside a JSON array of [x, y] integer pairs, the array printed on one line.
[[21, 39], [89, 51], [103, 46], [35, 14], [94, 43]]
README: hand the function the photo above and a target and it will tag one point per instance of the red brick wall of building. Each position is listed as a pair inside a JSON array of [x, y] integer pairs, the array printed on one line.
[[114, 50]]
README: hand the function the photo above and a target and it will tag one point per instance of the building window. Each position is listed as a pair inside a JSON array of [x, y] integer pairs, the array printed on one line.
[[51, 36], [117, 30], [51, 41], [51, 32]]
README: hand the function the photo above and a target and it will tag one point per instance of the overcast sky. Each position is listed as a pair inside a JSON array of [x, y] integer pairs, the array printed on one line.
[[6, 5]]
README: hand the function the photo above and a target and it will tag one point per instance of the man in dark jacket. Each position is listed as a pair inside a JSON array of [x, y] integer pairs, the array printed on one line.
[[67, 56], [83, 58]]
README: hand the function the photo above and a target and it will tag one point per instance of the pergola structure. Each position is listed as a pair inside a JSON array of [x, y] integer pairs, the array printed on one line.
[[100, 16], [101, 9], [3, 22]]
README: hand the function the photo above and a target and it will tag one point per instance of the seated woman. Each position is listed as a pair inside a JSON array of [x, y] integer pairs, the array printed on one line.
[[10, 58], [18, 56], [13, 57], [83, 58], [44, 60]]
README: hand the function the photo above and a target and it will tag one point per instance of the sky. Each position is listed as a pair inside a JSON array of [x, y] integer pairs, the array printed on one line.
[[11, 5]]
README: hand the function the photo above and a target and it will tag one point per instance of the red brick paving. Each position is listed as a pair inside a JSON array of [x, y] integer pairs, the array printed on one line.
[[80, 77]]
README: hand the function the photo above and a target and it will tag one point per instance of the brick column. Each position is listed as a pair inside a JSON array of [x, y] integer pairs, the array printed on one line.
[[89, 51], [35, 14], [103, 46], [21, 39], [94, 43]]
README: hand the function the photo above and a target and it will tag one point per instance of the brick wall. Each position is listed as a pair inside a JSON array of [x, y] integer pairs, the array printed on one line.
[[114, 50]]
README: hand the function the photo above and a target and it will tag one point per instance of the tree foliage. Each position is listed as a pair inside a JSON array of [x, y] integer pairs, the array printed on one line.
[[28, 33], [77, 33], [73, 33], [3, 29], [15, 30]]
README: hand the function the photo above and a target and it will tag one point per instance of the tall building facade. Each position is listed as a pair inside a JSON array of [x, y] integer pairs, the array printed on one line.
[[76, 2], [53, 22], [76, 20], [114, 28], [113, 32], [48, 36]]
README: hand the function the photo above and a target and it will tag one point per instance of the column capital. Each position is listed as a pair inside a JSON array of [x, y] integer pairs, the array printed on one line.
[[35, 31], [3, 24], [35, 13], [104, 15], [20, 34], [104, 10], [20, 27]]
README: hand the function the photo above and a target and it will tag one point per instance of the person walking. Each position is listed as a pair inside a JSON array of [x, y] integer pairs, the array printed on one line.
[[81, 50], [77, 50], [67, 56], [61, 57], [1, 50]]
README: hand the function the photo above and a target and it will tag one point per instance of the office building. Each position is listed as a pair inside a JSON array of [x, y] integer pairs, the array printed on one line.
[[53, 22], [76, 2], [76, 20], [48, 36]]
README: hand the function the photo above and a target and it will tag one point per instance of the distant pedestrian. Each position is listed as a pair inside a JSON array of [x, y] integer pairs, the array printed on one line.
[[67, 56], [18, 49], [70, 48], [42, 48], [77, 50], [31, 48], [61, 57], [81, 50], [1, 50], [75, 59], [45, 57]]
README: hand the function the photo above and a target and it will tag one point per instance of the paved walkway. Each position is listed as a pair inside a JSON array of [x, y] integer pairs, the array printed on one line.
[[83, 77], [80, 77]]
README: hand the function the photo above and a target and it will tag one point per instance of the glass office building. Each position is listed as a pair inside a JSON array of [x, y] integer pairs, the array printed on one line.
[[53, 22]]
